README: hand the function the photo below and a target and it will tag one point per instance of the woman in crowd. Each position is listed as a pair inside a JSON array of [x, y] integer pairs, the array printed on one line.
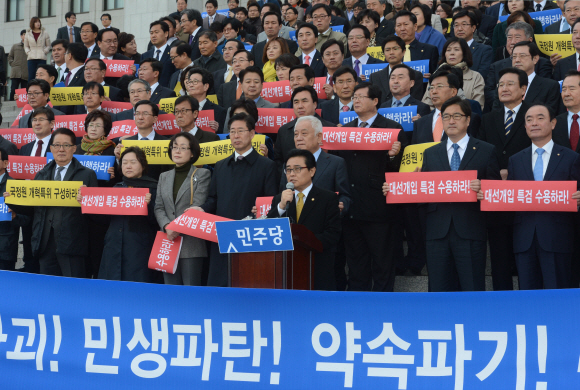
[[425, 33], [183, 187], [499, 39], [456, 53], [444, 11], [47, 73], [128, 47], [435, 19], [371, 20], [517, 16], [36, 46], [273, 49], [283, 65]]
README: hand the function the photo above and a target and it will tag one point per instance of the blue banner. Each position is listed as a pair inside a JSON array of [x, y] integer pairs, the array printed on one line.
[[99, 164], [420, 66], [369, 69], [345, 117], [96, 334], [5, 215], [224, 12], [292, 35], [254, 235], [545, 17], [339, 29], [248, 47], [401, 115]]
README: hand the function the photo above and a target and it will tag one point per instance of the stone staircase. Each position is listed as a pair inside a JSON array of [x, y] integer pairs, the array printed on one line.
[[9, 112]]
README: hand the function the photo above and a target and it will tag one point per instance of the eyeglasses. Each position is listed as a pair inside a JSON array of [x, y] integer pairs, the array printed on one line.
[[179, 148], [172, 58], [447, 117], [319, 17], [138, 91], [522, 56], [227, 30], [110, 41], [87, 31], [355, 98], [239, 61], [288, 171], [438, 87], [63, 146], [357, 37], [182, 112], [195, 82], [143, 114], [237, 132], [96, 126], [38, 120], [508, 84], [34, 94]]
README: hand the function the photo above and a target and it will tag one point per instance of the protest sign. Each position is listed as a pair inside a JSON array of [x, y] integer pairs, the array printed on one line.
[[165, 253], [413, 156], [5, 214], [157, 152], [18, 137], [43, 193], [212, 152], [519, 195], [25, 167], [118, 68], [263, 205], [197, 224], [69, 96], [430, 187], [115, 107], [555, 44], [255, 235], [76, 123], [356, 138], [99, 164], [203, 119], [20, 97], [114, 200]]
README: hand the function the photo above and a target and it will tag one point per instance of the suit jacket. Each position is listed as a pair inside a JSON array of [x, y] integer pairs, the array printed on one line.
[[554, 231], [262, 103], [153, 171], [493, 11], [320, 215], [174, 80], [195, 53], [219, 115], [424, 51], [217, 18], [554, 28], [218, 78], [423, 128], [467, 218], [549, 5], [8, 146], [487, 25], [316, 64], [110, 80], [422, 108], [161, 93], [258, 51], [63, 34], [203, 136], [168, 67], [492, 130], [114, 93], [226, 93], [167, 209], [381, 80], [560, 134], [563, 66], [386, 28], [77, 81], [26, 150], [330, 110], [214, 63], [23, 122], [126, 114], [348, 63], [482, 56], [547, 91]]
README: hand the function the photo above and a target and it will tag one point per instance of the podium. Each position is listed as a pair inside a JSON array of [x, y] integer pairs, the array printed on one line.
[[291, 270]]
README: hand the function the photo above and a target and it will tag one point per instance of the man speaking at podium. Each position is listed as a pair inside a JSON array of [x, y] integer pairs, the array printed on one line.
[[313, 207]]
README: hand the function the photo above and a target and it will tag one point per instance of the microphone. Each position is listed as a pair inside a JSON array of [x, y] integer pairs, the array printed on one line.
[[289, 186]]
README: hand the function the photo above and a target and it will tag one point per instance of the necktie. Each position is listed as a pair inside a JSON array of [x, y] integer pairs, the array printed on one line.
[[71, 36], [345, 109], [239, 91], [330, 81], [564, 25], [455, 160], [538, 7], [307, 60], [397, 103], [299, 205], [67, 79], [239, 158], [438, 130], [58, 176], [539, 167], [157, 53], [407, 56], [574, 132], [144, 139], [363, 124], [58, 70], [230, 74], [38, 149], [190, 39], [509, 122], [357, 67]]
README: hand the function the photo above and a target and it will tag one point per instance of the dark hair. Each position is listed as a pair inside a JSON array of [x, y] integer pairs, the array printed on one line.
[[323, 6], [409, 70], [343, 70], [250, 69], [162, 24], [572, 73], [329, 43], [426, 12], [3, 154], [102, 65], [34, 20], [193, 14], [451, 77], [373, 91], [463, 105], [307, 88], [404, 12], [447, 9], [183, 48], [466, 51], [522, 76], [193, 103], [170, 20], [240, 9], [527, 5], [22, 32], [209, 35], [368, 13], [463, 13], [248, 119], [309, 159], [216, 27], [254, 5], [517, 14], [43, 110], [272, 7], [533, 49], [104, 115], [277, 15], [62, 42], [69, 14], [212, 2], [139, 153], [551, 113], [106, 30], [307, 25], [154, 107], [193, 145], [89, 86], [365, 30], [308, 71], [123, 85], [287, 59], [44, 86], [239, 43], [107, 15], [294, 10], [574, 25], [64, 131], [206, 77], [234, 23], [394, 38], [283, 47], [247, 105], [124, 39], [94, 27], [156, 65], [50, 70], [78, 51]]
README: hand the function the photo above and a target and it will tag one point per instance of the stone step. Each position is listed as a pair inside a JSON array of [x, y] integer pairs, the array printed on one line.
[[9, 112]]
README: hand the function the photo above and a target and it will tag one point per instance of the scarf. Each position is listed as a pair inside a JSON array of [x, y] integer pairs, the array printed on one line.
[[140, 182], [95, 147], [462, 65], [269, 72]]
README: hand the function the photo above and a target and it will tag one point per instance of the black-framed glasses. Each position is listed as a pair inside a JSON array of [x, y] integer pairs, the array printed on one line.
[[447, 117], [296, 170]]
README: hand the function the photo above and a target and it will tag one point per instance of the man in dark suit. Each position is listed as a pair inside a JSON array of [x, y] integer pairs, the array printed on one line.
[[75, 57], [38, 92], [181, 55], [547, 5], [232, 90], [138, 90], [571, 62], [464, 26], [93, 97], [505, 129], [95, 70], [211, 7], [300, 75], [359, 39], [210, 60], [400, 85], [344, 83], [191, 23], [226, 75], [149, 70], [332, 52], [485, 23], [106, 22], [272, 23], [89, 33], [544, 241], [394, 50], [159, 33], [367, 227], [235, 184], [108, 43], [406, 27], [443, 86], [69, 31], [186, 112], [313, 207], [570, 13], [202, 82], [386, 27], [307, 35]]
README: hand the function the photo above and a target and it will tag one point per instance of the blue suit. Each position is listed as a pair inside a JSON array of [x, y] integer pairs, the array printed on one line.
[[482, 56]]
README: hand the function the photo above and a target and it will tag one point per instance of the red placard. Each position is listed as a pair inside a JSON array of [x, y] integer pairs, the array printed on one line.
[[276, 91], [318, 84], [118, 68], [203, 119], [271, 119], [197, 224], [114, 201], [165, 253], [123, 128], [356, 138], [25, 167], [76, 123], [18, 137], [116, 107], [515, 195], [25, 110], [166, 125], [263, 205], [20, 97], [431, 187]]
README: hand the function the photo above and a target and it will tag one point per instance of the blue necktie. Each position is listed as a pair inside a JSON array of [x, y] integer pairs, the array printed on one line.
[[509, 122], [397, 103], [455, 159], [539, 167], [158, 52]]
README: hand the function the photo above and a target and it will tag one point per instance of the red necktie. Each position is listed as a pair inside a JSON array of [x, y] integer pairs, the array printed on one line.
[[345, 108], [38, 149], [574, 132], [331, 81], [307, 60], [67, 79]]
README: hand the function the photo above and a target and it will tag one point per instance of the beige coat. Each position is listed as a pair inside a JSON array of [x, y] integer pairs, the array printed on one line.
[[17, 60], [473, 85], [37, 50]]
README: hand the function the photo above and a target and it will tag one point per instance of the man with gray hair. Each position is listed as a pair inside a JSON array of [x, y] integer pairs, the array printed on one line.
[[210, 60], [138, 90], [570, 13], [516, 32]]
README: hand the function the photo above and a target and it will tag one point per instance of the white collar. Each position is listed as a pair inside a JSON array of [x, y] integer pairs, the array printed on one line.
[[162, 48], [150, 137], [202, 103], [547, 148], [245, 154], [462, 142], [530, 79], [305, 191], [105, 58], [470, 42], [317, 154], [193, 131], [195, 32], [515, 110], [311, 54], [153, 87], [363, 59]]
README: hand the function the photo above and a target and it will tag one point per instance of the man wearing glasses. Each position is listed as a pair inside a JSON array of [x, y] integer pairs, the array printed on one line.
[[464, 27], [232, 90], [89, 33], [95, 70], [38, 92], [108, 44], [186, 112], [138, 90], [180, 55], [199, 83], [321, 15], [93, 96]]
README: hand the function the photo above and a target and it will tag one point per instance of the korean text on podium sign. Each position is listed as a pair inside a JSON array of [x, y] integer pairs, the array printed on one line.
[[255, 235]]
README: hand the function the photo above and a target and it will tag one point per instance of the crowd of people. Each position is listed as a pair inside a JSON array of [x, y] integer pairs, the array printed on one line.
[[493, 102]]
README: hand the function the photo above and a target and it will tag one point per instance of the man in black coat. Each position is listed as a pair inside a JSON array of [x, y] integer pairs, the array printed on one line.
[[107, 43], [386, 26], [359, 39], [149, 70], [75, 57], [210, 59], [313, 207], [65, 32], [159, 33], [235, 184], [400, 85], [571, 62], [60, 235], [192, 25], [345, 79], [406, 27], [94, 71], [482, 55], [186, 112], [307, 35], [203, 82]]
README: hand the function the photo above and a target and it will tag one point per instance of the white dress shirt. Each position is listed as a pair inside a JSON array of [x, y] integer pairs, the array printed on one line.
[[530, 79], [195, 32], [542, 4], [150, 137], [369, 122], [161, 49], [363, 60], [470, 42], [45, 142], [91, 50], [306, 191], [63, 172], [62, 71], [461, 150], [516, 109], [105, 58], [153, 87], [73, 72], [315, 154], [245, 154], [340, 105], [311, 55], [202, 103], [545, 156], [193, 131]]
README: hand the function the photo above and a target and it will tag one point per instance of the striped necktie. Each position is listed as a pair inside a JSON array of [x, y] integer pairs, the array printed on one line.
[[509, 122]]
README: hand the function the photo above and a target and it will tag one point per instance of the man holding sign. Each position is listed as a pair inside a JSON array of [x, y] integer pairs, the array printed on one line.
[[400, 84], [186, 112], [38, 93]]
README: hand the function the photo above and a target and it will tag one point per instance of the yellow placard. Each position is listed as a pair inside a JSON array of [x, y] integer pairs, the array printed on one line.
[[413, 156], [167, 105], [212, 98], [376, 52], [555, 43], [69, 96], [43, 193], [157, 152], [212, 152]]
